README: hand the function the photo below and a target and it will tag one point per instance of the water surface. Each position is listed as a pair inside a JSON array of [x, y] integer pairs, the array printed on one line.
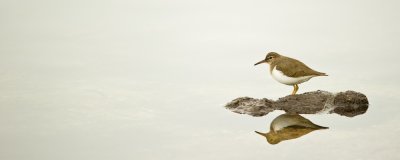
[[149, 79]]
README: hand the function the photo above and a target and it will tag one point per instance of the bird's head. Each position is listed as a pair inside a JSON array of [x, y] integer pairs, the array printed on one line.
[[271, 137], [271, 57]]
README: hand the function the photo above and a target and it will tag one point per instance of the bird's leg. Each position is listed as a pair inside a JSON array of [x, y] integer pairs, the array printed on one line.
[[294, 90], [296, 87]]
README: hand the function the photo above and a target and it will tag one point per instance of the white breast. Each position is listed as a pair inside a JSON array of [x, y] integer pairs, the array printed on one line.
[[280, 77], [286, 120]]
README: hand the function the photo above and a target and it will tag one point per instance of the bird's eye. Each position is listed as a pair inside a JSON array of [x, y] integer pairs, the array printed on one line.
[[269, 57]]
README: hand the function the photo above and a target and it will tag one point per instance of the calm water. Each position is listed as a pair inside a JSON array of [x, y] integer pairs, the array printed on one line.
[[149, 79]]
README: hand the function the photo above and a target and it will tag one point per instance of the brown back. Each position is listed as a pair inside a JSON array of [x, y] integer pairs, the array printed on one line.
[[294, 68]]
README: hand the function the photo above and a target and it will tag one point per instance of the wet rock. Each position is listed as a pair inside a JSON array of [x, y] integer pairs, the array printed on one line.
[[349, 103]]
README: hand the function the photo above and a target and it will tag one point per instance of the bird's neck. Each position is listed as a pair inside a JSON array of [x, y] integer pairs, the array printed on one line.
[[272, 66], [274, 63]]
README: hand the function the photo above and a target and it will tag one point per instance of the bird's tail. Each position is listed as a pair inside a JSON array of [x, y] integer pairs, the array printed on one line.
[[322, 74]]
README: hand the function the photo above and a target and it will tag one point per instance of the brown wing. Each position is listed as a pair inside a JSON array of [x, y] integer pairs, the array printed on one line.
[[294, 68]]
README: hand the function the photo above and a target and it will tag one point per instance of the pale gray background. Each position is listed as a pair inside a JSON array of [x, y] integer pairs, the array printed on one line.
[[148, 79]]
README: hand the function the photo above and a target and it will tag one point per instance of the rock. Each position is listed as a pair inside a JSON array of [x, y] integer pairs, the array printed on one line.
[[349, 103]]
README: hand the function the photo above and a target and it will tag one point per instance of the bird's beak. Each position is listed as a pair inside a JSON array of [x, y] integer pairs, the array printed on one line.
[[263, 134], [263, 61]]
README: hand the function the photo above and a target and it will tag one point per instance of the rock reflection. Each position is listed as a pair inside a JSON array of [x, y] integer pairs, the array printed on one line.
[[289, 126]]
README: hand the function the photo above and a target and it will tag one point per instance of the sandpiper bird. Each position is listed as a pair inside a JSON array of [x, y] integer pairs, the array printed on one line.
[[289, 71], [289, 126]]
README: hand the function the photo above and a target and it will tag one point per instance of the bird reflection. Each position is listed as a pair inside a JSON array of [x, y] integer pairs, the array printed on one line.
[[289, 126]]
